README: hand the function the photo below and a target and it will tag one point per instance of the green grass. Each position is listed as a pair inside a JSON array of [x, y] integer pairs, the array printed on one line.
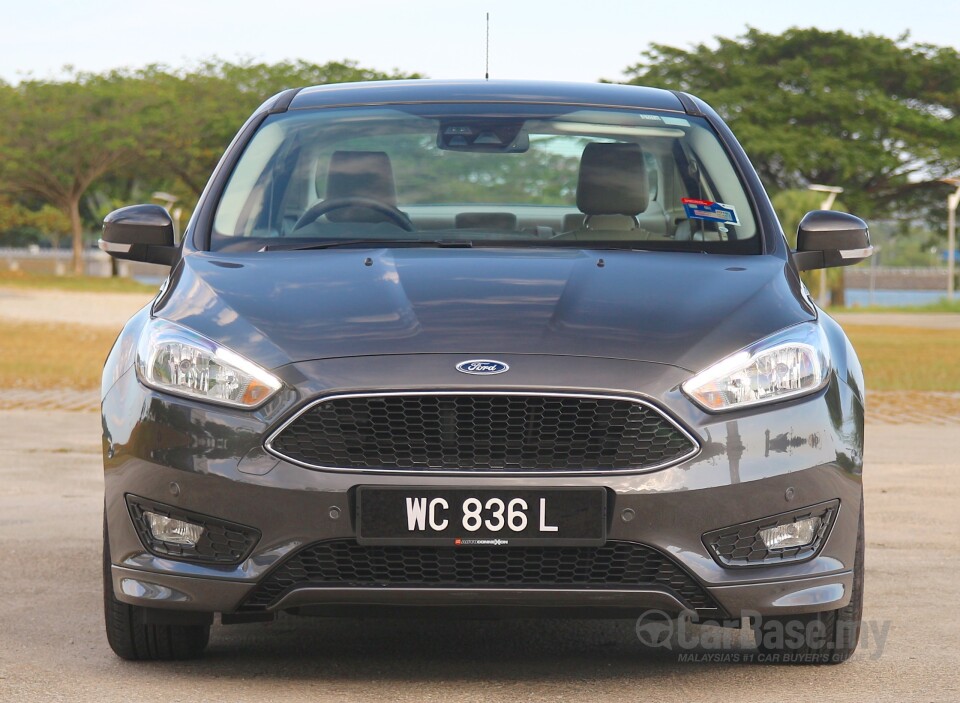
[[940, 306], [90, 284]]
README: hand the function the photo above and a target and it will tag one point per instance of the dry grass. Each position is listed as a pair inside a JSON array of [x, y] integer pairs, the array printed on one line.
[[908, 358], [41, 356]]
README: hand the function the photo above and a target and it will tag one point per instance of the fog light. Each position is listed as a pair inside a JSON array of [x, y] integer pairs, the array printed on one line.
[[168, 529], [794, 534]]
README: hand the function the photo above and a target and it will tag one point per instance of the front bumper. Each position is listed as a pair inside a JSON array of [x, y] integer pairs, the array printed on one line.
[[752, 464]]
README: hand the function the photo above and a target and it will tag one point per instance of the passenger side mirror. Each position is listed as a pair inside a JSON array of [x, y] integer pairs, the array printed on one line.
[[827, 238], [140, 233]]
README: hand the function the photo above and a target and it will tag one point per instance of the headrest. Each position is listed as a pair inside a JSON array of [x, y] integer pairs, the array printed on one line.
[[362, 174], [613, 180]]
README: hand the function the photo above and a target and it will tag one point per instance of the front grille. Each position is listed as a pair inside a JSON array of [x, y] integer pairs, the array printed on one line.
[[344, 563], [220, 543], [486, 432], [741, 545]]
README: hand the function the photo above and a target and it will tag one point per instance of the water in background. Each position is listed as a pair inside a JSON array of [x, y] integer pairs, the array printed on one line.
[[860, 297]]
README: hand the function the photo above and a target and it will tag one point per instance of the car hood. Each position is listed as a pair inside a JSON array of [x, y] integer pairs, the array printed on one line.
[[684, 309]]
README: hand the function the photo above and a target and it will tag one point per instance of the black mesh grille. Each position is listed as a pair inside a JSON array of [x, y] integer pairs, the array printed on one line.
[[345, 563], [482, 433], [741, 545], [220, 543]]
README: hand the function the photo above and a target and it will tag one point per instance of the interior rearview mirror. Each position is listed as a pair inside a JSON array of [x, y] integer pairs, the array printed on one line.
[[492, 136]]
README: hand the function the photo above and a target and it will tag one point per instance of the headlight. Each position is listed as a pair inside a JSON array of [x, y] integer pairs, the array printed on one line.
[[789, 363], [177, 360]]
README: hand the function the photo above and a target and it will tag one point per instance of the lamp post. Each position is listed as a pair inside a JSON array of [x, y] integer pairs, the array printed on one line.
[[169, 201], [952, 201], [827, 204]]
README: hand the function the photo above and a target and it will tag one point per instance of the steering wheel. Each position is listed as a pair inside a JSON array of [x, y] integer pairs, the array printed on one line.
[[324, 206]]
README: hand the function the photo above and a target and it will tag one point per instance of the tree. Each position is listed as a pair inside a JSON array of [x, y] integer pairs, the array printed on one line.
[[150, 129], [204, 108], [59, 138], [874, 115]]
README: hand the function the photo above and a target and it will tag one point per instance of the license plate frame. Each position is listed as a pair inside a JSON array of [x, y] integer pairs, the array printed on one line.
[[578, 513]]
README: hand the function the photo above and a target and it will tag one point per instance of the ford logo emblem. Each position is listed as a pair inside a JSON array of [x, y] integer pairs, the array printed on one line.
[[482, 367]]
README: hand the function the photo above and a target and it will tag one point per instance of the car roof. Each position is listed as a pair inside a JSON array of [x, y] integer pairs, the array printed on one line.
[[486, 91]]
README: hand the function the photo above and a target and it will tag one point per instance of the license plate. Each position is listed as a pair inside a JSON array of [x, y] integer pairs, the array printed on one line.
[[481, 517]]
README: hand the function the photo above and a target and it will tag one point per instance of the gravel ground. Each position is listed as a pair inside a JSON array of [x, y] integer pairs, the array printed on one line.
[[929, 320], [95, 309], [52, 646]]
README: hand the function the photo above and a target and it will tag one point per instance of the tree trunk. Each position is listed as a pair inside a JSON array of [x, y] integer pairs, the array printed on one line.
[[76, 226]]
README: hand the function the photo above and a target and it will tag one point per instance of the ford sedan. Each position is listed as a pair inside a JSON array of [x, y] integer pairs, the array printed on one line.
[[491, 347]]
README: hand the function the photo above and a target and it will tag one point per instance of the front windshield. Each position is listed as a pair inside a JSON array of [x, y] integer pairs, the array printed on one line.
[[485, 175]]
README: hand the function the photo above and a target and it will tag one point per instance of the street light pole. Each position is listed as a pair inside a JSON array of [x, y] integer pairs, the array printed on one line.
[[169, 201], [952, 201], [827, 204]]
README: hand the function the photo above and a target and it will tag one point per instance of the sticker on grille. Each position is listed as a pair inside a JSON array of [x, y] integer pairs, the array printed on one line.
[[498, 433]]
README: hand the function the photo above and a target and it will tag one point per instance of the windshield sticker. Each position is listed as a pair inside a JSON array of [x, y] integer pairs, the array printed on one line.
[[709, 210]]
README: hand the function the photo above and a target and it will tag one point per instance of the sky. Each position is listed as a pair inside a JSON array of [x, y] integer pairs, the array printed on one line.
[[559, 40]]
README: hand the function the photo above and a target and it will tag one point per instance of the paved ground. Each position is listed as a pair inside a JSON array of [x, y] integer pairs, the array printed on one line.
[[52, 647], [930, 320], [95, 309]]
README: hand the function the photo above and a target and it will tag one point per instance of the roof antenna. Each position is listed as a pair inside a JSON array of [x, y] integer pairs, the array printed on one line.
[[487, 76]]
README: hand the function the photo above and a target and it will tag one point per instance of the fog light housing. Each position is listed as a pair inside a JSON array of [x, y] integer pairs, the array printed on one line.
[[173, 531], [794, 534]]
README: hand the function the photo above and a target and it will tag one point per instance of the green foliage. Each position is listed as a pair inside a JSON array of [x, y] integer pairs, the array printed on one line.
[[203, 108], [871, 114], [905, 243], [21, 226]]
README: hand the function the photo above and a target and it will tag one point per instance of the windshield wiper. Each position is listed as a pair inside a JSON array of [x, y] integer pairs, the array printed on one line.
[[335, 243]]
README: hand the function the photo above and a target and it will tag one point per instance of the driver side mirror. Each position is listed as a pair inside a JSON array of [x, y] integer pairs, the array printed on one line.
[[140, 233], [827, 238]]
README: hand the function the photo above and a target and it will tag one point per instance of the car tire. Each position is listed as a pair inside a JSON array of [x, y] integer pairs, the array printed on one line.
[[831, 636], [131, 638]]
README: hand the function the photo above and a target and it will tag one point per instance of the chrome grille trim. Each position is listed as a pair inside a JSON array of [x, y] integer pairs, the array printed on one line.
[[695, 444]]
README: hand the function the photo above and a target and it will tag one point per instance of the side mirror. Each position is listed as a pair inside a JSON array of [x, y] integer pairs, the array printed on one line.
[[140, 233], [827, 238]]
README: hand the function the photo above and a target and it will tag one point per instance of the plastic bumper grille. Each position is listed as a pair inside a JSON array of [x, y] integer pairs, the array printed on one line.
[[221, 542], [489, 433], [344, 563], [741, 545]]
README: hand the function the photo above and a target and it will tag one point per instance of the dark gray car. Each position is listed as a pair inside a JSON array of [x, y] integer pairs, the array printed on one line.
[[502, 348]]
